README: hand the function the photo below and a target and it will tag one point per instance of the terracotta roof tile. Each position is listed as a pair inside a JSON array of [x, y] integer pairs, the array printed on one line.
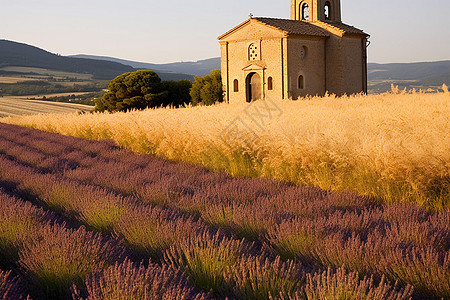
[[294, 27], [340, 27], [303, 28]]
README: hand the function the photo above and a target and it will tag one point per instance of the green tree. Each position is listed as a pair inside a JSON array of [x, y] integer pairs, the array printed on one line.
[[177, 92], [135, 90], [207, 90]]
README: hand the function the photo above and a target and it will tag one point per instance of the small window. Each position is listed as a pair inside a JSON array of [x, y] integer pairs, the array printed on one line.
[[236, 86], [270, 83], [303, 52], [301, 82], [305, 12], [253, 52], [327, 10]]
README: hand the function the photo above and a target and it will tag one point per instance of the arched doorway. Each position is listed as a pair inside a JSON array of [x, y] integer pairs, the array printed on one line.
[[254, 87]]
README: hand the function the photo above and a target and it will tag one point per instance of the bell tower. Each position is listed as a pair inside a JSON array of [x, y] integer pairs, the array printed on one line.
[[316, 10]]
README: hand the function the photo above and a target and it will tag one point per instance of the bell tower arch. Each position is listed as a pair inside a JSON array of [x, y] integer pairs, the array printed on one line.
[[316, 10]]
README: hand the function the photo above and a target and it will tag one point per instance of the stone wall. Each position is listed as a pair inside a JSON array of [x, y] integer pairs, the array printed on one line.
[[311, 66], [269, 64]]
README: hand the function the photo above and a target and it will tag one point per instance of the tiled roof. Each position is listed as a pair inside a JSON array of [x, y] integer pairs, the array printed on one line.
[[294, 27], [302, 28], [340, 27]]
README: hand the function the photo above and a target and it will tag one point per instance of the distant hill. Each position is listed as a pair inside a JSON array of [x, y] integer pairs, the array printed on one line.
[[23, 55], [198, 68], [380, 76], [409, 75], [14, 54]]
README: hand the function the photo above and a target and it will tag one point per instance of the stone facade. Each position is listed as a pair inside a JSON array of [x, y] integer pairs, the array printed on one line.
[[310, 54]]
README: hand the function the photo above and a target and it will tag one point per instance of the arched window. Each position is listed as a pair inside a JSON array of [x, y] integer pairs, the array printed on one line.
[[301, 82], [236, 86], [270, 83], [253, 52], [327, 10], [305, 11]]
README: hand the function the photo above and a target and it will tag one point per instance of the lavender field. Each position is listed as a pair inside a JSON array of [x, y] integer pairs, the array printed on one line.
[[87, 220]]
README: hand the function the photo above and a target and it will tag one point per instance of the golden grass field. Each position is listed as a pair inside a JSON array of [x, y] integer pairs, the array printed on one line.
[[392, 147]]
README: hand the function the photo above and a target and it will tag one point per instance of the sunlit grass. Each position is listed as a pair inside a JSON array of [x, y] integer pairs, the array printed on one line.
[[392, 147]]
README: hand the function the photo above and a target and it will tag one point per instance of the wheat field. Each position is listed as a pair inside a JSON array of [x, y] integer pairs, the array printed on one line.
[[393, 147]]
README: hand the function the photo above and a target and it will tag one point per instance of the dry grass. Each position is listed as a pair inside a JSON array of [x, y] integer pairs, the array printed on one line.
[[393, 147]]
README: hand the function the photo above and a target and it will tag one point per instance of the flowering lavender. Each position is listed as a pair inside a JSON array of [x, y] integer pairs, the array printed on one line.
[[344, 285], [57, 257], [239, 237], [264, 278], [47, 253], [130, 281]]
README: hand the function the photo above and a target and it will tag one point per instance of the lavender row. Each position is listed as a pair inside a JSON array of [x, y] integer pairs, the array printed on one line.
[[236, 255], [128, 280], [54, 259], [152, 230], [218, 199], [265, 211], [50, 256]]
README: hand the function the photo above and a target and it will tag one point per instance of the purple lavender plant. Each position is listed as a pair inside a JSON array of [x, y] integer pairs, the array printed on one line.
[[130, 281]]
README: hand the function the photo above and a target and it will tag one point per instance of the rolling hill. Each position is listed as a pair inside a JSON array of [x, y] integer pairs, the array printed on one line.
[[409, 71], [380, 76], [14, 54], [408, 75]]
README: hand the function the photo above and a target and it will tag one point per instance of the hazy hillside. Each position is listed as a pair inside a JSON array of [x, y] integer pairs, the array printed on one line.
[[380, 76], [199, 68], [23, 55], [420, 75], [408, 71]]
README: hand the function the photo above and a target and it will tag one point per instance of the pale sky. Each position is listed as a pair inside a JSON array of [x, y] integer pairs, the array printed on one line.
[[168, 31]]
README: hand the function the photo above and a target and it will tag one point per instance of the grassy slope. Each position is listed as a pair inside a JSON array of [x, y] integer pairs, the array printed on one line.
[[22, 55], [391, 147]]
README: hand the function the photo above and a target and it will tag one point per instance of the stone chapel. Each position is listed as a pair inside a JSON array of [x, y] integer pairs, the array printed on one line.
[[310, 54]]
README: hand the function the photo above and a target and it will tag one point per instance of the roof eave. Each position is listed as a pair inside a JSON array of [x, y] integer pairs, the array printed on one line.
[[362, 34]]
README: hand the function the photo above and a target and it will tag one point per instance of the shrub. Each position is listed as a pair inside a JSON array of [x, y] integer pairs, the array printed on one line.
[[207, 90]]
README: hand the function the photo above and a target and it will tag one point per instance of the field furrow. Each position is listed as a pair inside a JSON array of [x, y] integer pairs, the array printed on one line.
[[17, 106]]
